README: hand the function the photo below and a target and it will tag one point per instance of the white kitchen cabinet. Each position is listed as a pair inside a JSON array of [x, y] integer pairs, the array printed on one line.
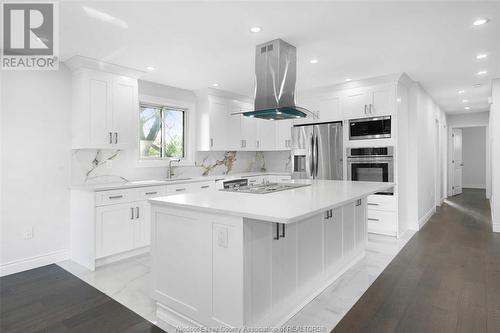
[[329, 109], [114, 229], [218, 118], [142, 224], [284, 264], [382, 214], [368, 102], [248, 126], [333, 239], [348, 227], [266, 135], [309, 250], [284, 134], [360, 212], [104, 110]]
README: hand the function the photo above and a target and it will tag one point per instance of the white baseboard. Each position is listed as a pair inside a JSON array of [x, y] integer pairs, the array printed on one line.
[[25, 264], [479, 186], [496, 227], [424, 219]]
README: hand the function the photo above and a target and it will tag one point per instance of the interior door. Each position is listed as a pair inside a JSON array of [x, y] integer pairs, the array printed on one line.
[[457, 162]]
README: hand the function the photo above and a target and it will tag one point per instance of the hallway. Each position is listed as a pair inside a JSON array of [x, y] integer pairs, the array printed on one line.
[[446, 279]]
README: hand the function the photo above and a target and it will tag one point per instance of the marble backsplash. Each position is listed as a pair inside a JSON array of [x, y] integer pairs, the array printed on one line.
[[104, 166]]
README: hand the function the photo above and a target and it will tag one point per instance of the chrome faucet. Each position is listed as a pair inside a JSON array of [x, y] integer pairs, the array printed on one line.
[[170, 174]]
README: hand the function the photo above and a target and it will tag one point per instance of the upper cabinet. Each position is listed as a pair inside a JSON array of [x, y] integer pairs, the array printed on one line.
[[220, 128], [105, 108], [368, 102]]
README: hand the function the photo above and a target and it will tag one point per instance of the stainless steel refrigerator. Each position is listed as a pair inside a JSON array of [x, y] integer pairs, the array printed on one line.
[[317, 151]]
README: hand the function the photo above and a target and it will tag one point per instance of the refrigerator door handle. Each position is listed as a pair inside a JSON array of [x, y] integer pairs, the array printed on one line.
[[316, 158], [311, 157]]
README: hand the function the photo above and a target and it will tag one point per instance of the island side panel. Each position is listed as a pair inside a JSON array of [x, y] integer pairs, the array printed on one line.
[[197, 268]]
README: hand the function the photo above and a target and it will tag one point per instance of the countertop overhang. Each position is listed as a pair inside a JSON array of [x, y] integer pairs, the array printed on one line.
[[285, 207]]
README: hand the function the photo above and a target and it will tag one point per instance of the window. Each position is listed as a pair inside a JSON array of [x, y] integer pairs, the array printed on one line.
[[162, 132]]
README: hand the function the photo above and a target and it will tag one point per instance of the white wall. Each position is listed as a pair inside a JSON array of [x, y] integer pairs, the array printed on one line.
[[495, 154], [36, 150], [425, 180], [474, 157], [469, 119]]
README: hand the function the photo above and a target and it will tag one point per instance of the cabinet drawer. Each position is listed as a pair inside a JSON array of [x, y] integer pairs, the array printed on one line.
[[113, 197], [283, 179], [382, 202], [178, 188], [381, 222], [144, 193], [203, 186]]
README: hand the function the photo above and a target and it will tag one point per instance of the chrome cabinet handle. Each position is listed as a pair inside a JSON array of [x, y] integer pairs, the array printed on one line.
[[150, 193], [372, 219], [365, 108], [136, 212], [180, 189], [131, 213], [371, 111], [211, 142], [282, 230], [115, 196], [373, 204], [205, 186], [358, 202], [277, 237], [258, 144], [311, 159], [116, 137], [110, 138], [316, 162]]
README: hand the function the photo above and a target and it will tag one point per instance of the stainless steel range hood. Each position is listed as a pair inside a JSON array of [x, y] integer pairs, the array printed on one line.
[[275, 73]]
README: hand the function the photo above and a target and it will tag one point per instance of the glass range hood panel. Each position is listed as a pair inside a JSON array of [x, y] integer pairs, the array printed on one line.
[[285, 112]]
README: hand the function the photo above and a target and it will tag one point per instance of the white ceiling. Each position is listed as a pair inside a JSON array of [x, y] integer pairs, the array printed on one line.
[[194, 44]]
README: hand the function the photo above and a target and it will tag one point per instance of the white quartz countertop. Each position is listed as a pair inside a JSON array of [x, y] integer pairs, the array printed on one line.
[[173, 181], [281, 207]]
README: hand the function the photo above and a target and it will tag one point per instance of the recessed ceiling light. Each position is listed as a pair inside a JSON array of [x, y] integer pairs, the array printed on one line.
[[255, 29], [150, 68], [215, 84], [347, 80], [482, 72], [480, 21], [465, 100], [467, 108], [461, 91], [313, 61], [477, 85], [481, 56]]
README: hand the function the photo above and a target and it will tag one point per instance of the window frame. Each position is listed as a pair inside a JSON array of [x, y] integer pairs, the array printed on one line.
[[162, 108], [189, 136]]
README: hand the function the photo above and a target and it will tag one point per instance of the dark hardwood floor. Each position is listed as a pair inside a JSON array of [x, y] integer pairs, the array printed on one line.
[[49, 299], [446, 279]]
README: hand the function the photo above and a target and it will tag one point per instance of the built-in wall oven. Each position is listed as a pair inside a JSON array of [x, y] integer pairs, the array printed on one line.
[[370, 128], [371, 164]]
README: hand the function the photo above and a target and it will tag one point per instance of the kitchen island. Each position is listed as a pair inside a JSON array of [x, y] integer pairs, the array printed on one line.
[[227, 259]]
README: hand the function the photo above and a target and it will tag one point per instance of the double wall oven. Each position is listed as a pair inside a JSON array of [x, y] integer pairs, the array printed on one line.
[[371, 164]]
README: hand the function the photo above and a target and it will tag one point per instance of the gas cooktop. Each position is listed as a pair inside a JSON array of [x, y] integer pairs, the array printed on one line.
[[264, 188]]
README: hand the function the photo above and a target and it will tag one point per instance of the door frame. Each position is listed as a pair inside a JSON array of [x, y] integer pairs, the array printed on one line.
[[450, 158]]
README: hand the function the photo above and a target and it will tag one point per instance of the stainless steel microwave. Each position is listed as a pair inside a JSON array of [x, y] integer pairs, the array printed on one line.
[[370, 128]]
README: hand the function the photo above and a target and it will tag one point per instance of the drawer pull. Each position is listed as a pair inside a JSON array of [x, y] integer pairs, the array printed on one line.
[[136, 212], [358, 202], [150, 193], [205, 186], [115, 196], [132, 213], [180, 189], [373, 204], [372, 219]]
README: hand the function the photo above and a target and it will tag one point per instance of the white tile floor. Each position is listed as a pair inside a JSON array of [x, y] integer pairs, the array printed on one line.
[[128, 282]]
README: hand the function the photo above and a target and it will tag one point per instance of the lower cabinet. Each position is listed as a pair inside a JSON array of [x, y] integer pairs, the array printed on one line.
[[114, 229], [284, 254]]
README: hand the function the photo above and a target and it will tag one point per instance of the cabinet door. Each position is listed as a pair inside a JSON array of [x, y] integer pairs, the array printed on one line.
[[348, 227], [248, 133], [333, 239], [142, 224], [329, 109], [309, 249], [361, 222], [383, 101], [354, 104], [218, 131], [233, 126], [125, 113], [284, 263], [284, 134], [100, 113], [266, 138], [115, 229]]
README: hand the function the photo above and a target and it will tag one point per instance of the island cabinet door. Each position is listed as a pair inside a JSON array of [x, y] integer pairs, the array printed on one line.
[[309, 252], [284, 263], [332, 226], [361, 222], [348, 227]]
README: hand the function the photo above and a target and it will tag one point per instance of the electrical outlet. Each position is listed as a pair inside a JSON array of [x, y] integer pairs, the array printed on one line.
[[222, 237], [28, 233]]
